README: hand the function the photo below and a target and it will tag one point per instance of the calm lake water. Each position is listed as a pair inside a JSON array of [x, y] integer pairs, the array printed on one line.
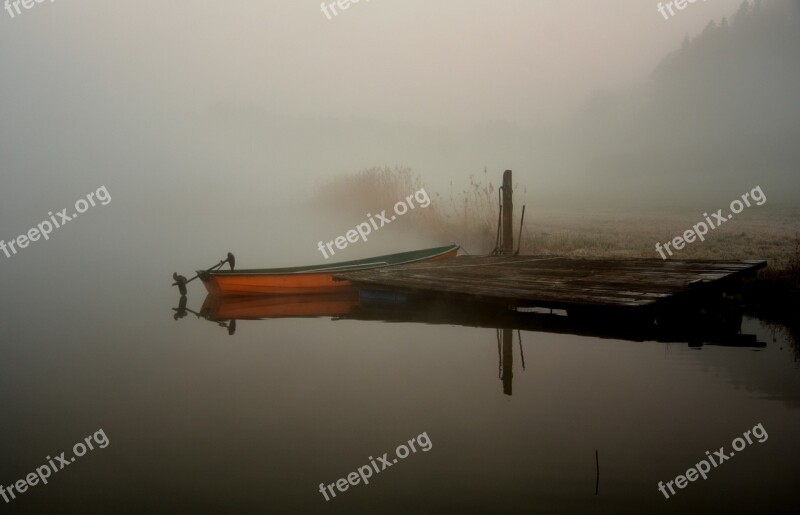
[[200, 421]]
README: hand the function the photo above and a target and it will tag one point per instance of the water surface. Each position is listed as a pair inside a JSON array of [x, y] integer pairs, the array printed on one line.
[[201, 421]]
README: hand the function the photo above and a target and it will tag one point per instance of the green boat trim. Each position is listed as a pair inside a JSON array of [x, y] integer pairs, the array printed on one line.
[[358, 264]]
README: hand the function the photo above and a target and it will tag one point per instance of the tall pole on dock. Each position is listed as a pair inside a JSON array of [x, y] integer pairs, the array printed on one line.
[[507, 246]]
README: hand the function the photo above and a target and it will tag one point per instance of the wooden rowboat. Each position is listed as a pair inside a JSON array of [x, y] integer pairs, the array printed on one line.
[[313, 279]]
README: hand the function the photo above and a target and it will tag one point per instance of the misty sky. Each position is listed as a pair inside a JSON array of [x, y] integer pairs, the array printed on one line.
[[446, 62], [187, 109]]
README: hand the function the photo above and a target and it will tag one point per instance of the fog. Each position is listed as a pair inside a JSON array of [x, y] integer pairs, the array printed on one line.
[[140, 139], [213, 123]]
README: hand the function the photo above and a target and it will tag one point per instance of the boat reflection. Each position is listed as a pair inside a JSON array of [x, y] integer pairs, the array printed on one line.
[[257, 307], [366, 305]]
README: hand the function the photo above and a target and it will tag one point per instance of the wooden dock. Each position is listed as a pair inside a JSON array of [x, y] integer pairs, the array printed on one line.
[[561, 282]]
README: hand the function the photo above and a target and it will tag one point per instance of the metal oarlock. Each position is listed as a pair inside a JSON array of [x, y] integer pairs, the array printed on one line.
[[181, 281]]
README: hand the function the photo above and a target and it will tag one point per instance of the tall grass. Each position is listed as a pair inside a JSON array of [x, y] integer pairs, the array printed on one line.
[[469, 216], [368, 190]]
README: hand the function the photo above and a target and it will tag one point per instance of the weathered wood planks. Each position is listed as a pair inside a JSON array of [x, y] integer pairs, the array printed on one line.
[[558, 282]]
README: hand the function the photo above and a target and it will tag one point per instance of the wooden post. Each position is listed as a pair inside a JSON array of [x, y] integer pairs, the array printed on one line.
[[508, 360], [507, 246]]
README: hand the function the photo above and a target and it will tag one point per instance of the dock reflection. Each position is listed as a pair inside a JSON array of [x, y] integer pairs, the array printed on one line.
[[696, 331]]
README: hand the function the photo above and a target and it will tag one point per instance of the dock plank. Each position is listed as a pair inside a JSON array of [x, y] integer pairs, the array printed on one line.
[[549, 281]]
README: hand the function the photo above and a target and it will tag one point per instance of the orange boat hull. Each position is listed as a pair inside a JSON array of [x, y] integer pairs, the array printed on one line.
[[283, 284], [274, 285]]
